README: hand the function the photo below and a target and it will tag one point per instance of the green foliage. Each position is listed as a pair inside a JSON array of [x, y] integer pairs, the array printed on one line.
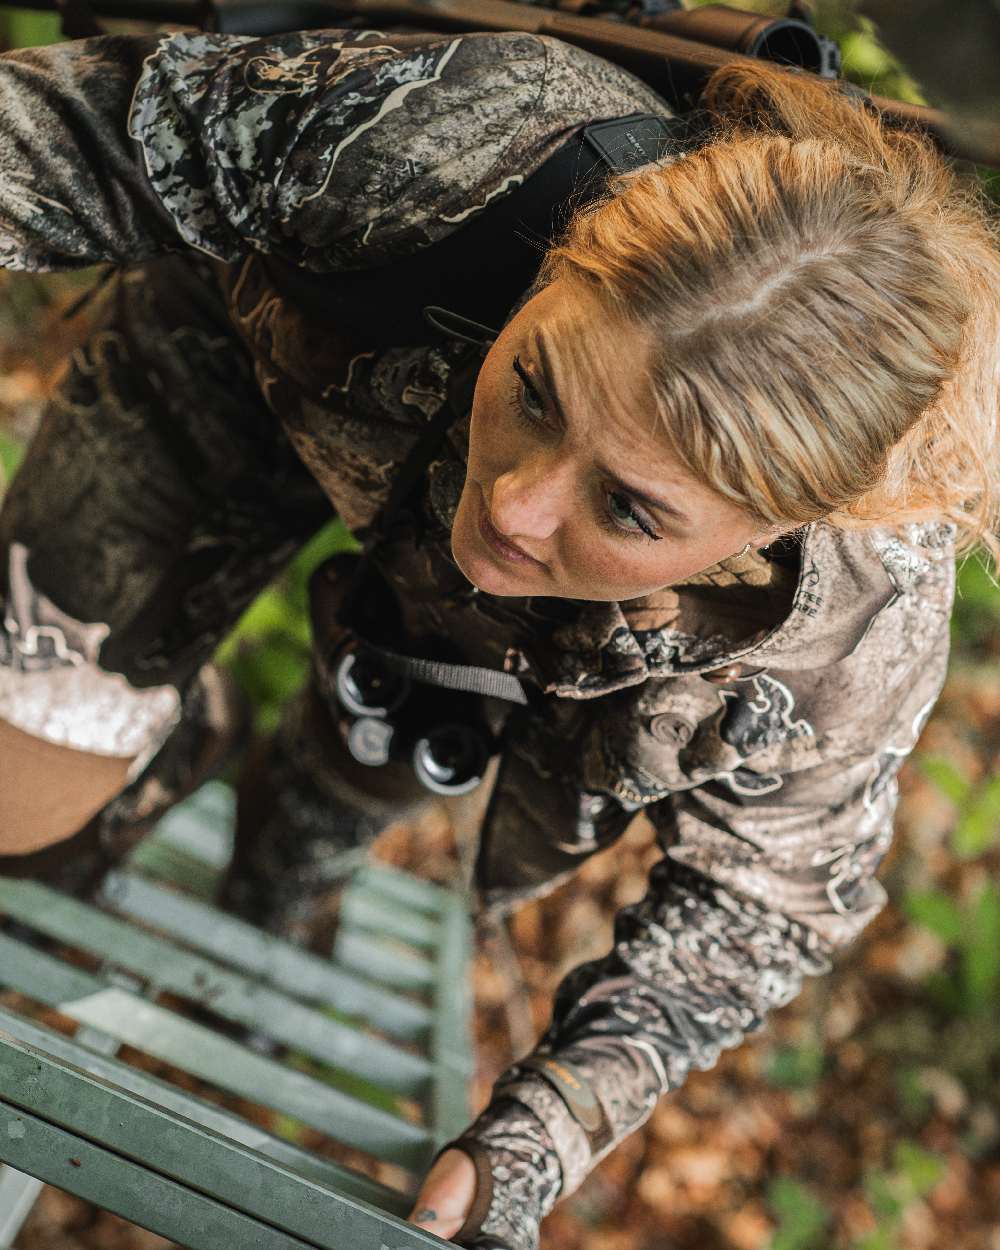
[[914, 1174], [975, 622], [963, 1034], [915, 1102], [980, 951], [938, 912], [347, 1083], [972, 933], [990, 179], [796, 1067], [802, 1218], [867, 63], [269, 651], [11, 455], [24, 28], [919, 1169], [881, 1239], [977, 823], [945, 775], [289, 1128]]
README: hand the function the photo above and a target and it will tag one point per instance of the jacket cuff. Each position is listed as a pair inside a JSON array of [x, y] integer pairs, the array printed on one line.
[[517, 1177], [589, 1097], [571, 1144]]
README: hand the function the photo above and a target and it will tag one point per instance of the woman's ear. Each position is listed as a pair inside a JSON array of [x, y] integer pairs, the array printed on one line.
[[765, 537]]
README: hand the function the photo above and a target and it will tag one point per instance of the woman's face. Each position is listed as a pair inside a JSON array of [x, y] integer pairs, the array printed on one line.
[[571, 490]]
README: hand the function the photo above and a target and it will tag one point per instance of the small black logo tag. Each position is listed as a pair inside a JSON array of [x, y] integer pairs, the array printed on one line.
[[626, 143]]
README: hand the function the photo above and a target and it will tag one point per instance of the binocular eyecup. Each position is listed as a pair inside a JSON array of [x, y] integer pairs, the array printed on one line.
[[388, 716]]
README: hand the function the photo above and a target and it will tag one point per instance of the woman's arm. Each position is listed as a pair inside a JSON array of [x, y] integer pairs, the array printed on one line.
[[722, 936], [331, 148], [72, 188], [759, 887]]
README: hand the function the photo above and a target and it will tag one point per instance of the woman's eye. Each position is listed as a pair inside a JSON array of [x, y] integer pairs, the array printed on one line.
[[625, 517], [620, 517], [525, 396], [621, 509]]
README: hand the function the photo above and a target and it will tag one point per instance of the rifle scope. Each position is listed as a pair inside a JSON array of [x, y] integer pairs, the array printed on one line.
[[673, 52]]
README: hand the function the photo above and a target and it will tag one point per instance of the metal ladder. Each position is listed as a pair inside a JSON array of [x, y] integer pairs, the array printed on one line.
[[376, 1044]]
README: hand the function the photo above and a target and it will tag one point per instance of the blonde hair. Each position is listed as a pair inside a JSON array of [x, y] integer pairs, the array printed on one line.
[[824, 296]]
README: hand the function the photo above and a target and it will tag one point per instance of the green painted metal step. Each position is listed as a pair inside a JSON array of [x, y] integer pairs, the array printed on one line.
[[387, 1020], [259, 954], [231, 995]]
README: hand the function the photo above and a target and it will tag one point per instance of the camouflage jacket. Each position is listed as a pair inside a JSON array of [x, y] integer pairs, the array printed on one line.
[[757, 714]]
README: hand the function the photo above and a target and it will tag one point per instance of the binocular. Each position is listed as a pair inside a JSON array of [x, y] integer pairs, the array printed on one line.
[[385, 715]]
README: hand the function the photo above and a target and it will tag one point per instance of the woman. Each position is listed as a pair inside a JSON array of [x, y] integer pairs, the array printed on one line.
[[705, 505]]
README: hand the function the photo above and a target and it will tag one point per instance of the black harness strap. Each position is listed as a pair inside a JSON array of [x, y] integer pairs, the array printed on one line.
[[502, 246], [467, 677], [497, 246]]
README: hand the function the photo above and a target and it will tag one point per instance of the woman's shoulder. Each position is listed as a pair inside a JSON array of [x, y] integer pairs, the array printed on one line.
[[494, 109], [353, 148]]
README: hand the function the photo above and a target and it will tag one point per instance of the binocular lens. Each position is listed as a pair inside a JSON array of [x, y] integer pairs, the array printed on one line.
[[367, 688], [450, 759]]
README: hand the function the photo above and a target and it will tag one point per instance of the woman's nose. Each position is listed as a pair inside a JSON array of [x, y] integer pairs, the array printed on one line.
[[530, 500]]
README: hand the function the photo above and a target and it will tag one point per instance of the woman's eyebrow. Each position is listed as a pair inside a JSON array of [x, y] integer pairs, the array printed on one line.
[[550, 386], [553, 395]]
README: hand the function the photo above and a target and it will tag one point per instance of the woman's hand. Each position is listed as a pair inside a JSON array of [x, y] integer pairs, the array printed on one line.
[[446, 1195], [501, 1177]]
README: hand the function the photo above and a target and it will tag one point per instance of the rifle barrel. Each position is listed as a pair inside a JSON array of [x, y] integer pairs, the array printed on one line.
[[676, 68], [183, 12]]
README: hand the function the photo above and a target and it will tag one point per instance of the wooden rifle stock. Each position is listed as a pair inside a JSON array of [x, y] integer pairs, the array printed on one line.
[[676, 67]]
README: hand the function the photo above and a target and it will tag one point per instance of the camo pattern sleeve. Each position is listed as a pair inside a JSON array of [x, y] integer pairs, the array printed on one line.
[[769, 869], [118, 148], [330, 148], [72, 192]]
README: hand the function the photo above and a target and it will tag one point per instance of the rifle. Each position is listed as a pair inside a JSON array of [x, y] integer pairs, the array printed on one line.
[[672, 50]]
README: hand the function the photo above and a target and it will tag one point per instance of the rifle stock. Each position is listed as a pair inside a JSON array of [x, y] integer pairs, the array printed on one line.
[[676, 67]]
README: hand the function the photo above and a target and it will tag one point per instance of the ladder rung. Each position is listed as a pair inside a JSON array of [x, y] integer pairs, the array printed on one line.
[[206, 1114], [134, 1132], [386, 962], [240, 945], [209, 1056], [364, 908], [229, 994]]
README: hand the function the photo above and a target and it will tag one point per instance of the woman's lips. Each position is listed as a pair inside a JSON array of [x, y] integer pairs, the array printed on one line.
[[503, 548]]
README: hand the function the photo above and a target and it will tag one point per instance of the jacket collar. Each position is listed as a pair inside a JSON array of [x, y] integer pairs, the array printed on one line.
[[843, 583], [845, 579]]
